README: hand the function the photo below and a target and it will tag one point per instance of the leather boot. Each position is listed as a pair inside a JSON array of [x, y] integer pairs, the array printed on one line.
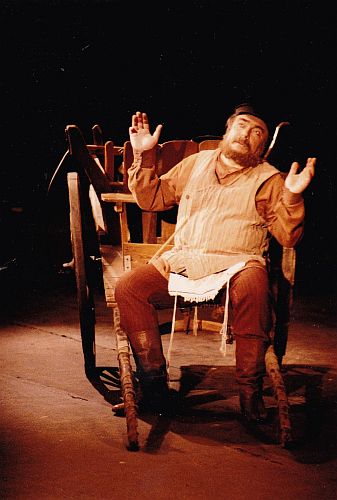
[[250, 370], [151, 370]]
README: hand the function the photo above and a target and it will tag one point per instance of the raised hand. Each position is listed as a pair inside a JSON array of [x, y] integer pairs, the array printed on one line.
[[140, 136], [298, 182]]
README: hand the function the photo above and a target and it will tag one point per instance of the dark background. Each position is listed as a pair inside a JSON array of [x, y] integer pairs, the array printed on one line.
[[187, 64]]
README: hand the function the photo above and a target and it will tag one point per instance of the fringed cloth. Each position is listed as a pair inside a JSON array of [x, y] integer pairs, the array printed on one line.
[[201, 290]]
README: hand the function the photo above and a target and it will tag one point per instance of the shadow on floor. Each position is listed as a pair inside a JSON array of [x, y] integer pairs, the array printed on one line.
[[208, 408]]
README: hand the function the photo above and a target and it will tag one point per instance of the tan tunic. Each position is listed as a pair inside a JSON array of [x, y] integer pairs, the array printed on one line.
[[252, 198], [220, 225]]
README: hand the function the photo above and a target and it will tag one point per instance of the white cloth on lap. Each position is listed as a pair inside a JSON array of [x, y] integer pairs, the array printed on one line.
[[202, 289]]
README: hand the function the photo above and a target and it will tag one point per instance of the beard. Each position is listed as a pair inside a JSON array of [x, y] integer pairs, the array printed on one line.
[[242, 159]]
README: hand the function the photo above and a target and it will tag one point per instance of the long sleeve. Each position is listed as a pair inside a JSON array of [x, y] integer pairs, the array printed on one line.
[[154, 193], [283, 211]]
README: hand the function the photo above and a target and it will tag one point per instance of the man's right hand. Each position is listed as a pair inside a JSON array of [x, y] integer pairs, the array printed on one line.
[[140, 137]]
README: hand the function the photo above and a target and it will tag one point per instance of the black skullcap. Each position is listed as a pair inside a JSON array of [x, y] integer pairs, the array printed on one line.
[[265, 114], [247, 109]]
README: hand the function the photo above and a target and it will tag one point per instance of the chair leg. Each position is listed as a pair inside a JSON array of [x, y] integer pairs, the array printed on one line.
[[274, 373]]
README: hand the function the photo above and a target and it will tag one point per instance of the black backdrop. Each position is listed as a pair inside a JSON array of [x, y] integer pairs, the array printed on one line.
[[187, 64]]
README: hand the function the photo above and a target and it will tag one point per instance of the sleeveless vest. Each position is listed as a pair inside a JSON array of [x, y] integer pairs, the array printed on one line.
[[218, 225]]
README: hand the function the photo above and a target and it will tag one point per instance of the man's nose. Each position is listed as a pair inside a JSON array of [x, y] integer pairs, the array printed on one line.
[[244, 136]]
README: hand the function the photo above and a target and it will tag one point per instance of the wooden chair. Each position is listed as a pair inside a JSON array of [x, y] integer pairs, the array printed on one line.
[[93, 184]]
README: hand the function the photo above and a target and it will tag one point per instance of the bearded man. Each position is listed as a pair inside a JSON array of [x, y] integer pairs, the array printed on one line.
[[230, 203]]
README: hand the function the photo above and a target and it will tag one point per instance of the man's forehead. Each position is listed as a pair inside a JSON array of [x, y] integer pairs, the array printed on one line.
[[252, 120]]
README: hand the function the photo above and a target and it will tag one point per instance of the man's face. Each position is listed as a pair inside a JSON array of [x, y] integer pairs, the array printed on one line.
[[245, 139]]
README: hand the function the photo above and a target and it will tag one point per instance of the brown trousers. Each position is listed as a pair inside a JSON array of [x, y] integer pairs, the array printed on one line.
[[140, 293]]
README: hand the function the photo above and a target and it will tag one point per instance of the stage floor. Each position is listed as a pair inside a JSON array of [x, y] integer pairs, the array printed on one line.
[[60, 439]]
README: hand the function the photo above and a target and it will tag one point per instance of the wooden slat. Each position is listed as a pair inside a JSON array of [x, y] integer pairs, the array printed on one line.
[[97, 135], [167, 229], [116, 197], [100, 149], [109, 160], [141, 253], [289, 264], [95, 149]]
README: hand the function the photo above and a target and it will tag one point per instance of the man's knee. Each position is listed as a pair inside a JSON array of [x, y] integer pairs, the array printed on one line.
[[139, 284], [251, 284]]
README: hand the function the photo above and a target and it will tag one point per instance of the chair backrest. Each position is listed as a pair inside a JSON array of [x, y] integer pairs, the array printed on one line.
[[209, 144]]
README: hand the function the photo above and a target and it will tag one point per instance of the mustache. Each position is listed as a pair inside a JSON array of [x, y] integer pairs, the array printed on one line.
[[246, 159], [243, 142]]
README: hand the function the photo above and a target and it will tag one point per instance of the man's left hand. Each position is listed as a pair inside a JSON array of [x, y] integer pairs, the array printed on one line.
[[298, 182]]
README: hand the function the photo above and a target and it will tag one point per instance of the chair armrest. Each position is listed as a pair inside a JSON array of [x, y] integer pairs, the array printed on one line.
[[118, 197]]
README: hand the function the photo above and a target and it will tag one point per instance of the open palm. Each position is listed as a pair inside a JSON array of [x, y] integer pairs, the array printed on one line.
[[140, 136], [298, 182]]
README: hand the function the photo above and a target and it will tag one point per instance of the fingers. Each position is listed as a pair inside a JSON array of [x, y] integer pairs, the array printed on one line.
[[310, 166], [311, 162], [140, 121], [134, 121], [309, 169], [144, 121], [137, 120], [294, 168], [157, 132]]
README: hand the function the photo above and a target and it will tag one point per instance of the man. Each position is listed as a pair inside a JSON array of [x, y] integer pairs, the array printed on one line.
[[230, 202]]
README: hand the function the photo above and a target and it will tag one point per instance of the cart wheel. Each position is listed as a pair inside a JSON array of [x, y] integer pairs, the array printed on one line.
[[127, 383], [81, 262]]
